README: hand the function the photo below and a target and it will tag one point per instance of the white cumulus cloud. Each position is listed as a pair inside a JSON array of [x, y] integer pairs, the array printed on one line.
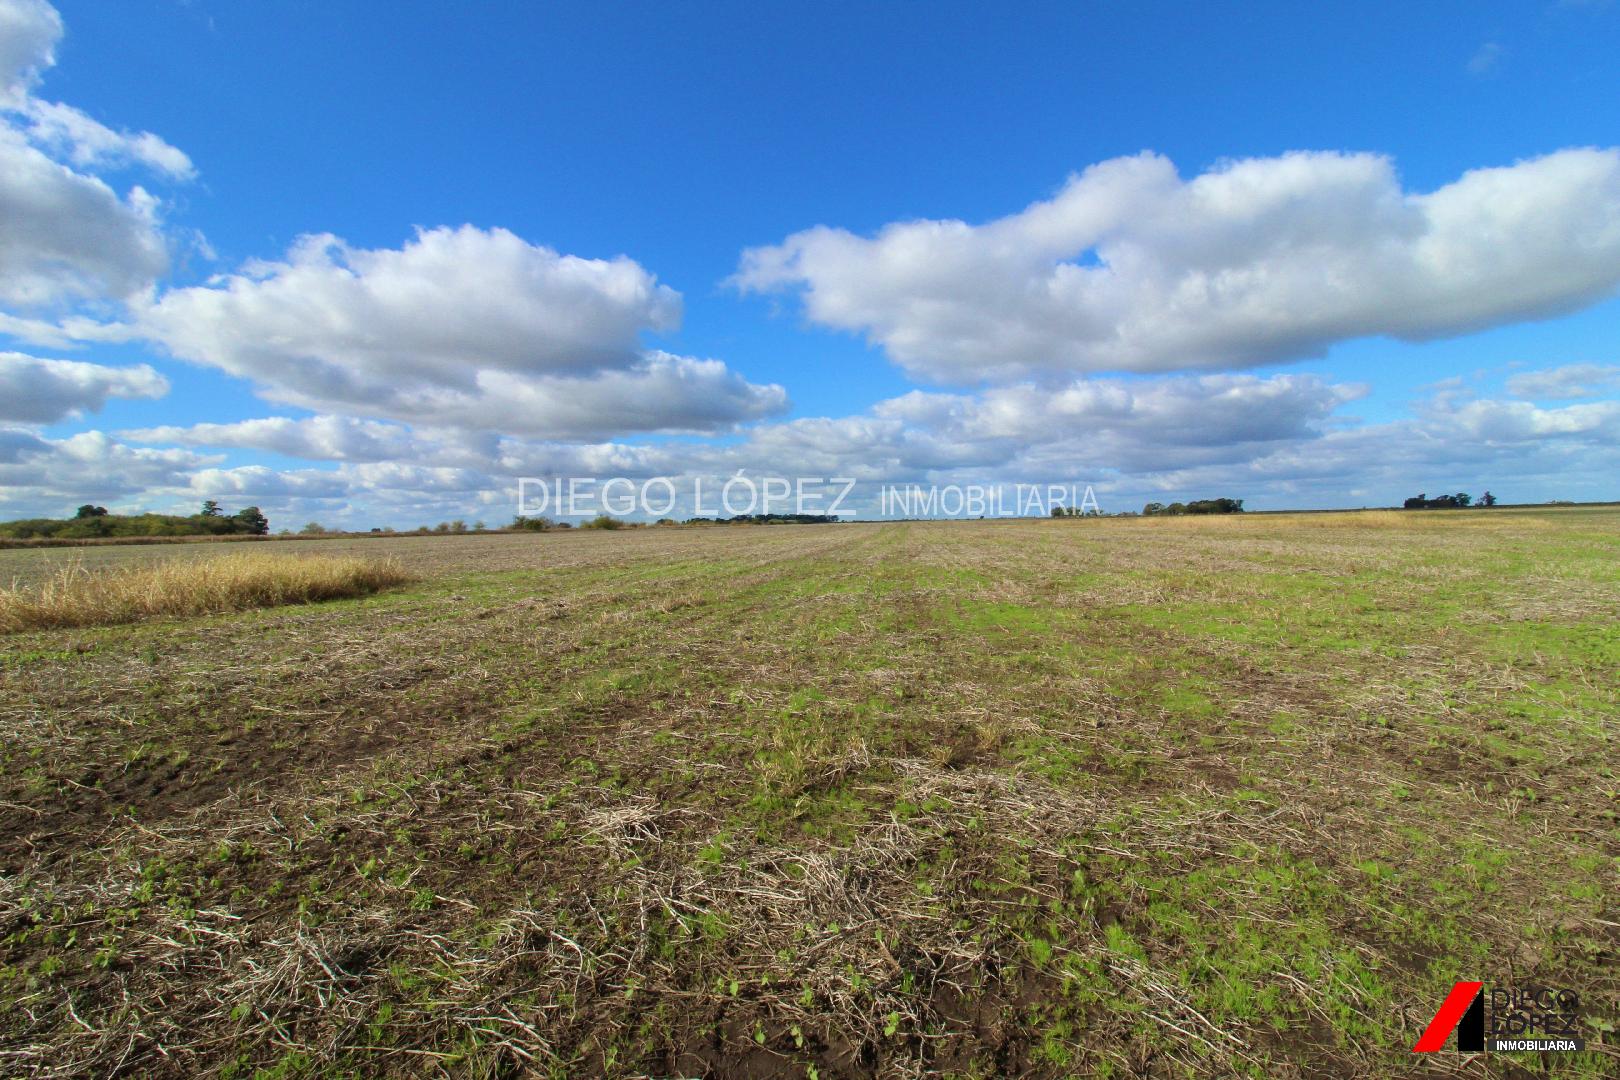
[[29, 31], [463, 326], [1131, 268], [316, 438], [1565, 382], [41, 476], [88, 143], [65, 233], [1507, 422], [39, 391], [1275, 441]]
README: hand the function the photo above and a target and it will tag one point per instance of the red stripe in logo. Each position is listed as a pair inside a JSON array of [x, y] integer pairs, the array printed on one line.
[[1445, 1021]]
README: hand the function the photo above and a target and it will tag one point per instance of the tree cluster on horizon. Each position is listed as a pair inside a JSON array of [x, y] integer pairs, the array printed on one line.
[[92, 522], [1199, 506], [1461, 500]]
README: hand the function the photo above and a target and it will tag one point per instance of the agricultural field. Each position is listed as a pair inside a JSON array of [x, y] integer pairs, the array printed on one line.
[[1236, 796]]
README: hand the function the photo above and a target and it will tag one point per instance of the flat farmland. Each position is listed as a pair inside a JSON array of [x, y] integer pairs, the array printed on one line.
[[1235, 796]]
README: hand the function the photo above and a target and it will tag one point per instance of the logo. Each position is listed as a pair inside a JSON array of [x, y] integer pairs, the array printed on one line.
[[1504, 1018]]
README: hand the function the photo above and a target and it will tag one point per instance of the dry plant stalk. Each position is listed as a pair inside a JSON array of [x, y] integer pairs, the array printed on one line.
[[76, 596]]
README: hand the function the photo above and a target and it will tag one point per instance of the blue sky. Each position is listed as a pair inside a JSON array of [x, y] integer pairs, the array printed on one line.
[[614, 274]]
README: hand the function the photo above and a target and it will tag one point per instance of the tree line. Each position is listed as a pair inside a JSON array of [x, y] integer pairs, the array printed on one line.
[[93, 522], [1199, 506], [1447, 502]]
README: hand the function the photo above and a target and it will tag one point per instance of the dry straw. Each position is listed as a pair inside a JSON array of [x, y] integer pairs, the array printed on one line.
[[78, 596]]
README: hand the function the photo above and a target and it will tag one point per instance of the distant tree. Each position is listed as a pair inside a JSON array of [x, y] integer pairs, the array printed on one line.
[[1197, 506], [1215, 506], [478, 526], [253, 521], [89, 511], [314, 528], [1057, 511], [531, 524], [458, 526], [1487, 499], [211, 509], [771, 519], [1439, 502]]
